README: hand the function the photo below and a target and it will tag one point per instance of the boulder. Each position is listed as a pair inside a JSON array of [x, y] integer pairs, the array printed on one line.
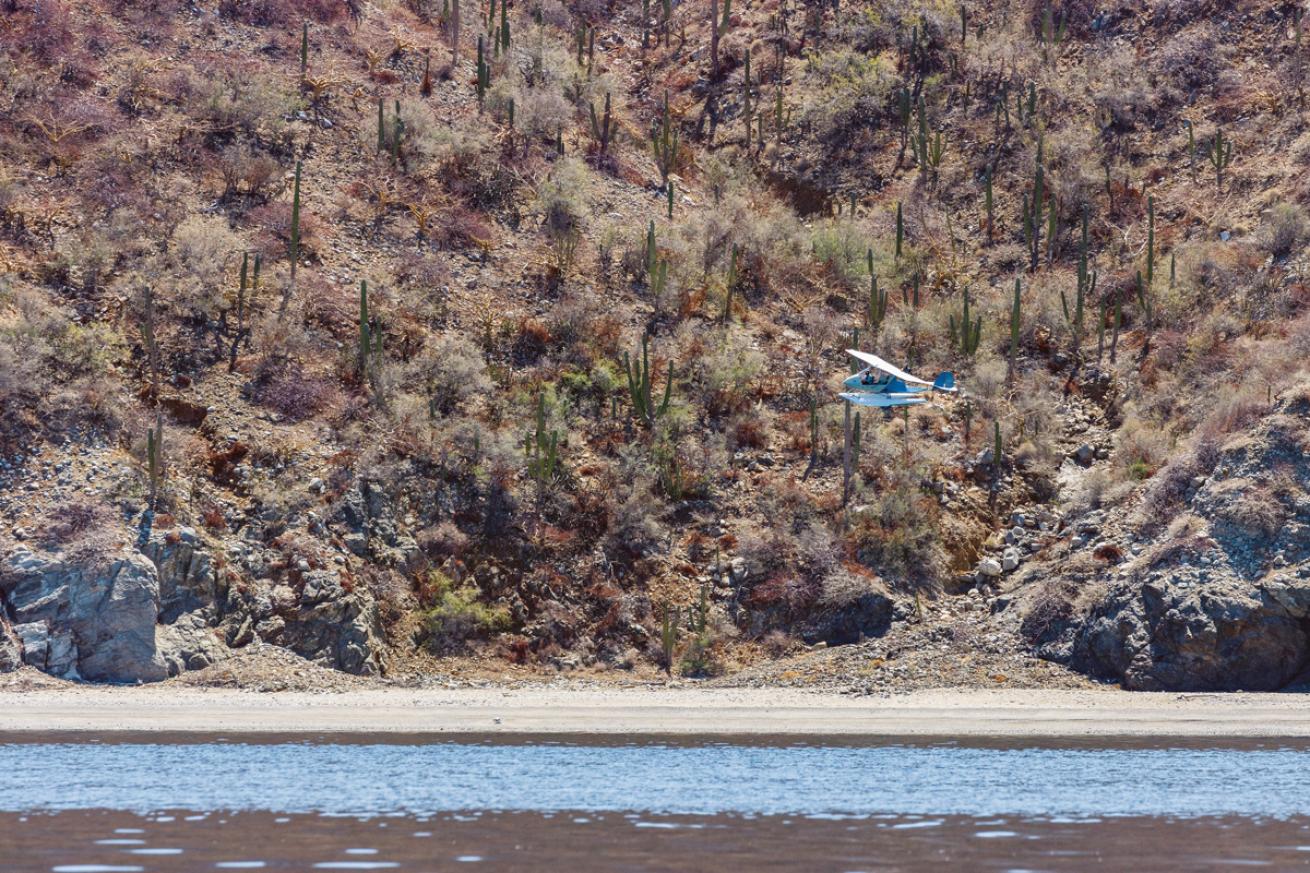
[[95, 619], [989, 567], [190, 643], [1084, 455], [1179, 633]]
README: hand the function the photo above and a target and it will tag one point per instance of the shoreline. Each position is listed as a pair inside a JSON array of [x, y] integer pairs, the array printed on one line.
[[615, 714]]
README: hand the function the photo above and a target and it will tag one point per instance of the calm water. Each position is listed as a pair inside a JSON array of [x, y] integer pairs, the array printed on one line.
[[110, 807]]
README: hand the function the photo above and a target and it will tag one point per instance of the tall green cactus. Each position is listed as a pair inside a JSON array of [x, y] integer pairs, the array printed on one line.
[[900, 229], [365, 338], [304, 49], [876, 309], [988, 202], [382, 127], [967, 334], [154, 458], [1086, 289], [652, 251], [543, 450], [904, 112], [730, 284], [664, 142], [1038, 199], [814, 430], [669, 618], [1144, 301], [638, 372], [484, 74], [1150, 241], [929, 147], [746, 99], [293, 249], [1016, 321], [1221, 156], [601, 128], [397, 131], [855, 444]]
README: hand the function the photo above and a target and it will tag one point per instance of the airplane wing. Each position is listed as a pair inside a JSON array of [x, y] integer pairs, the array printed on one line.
[[879, 364], [884, 400]]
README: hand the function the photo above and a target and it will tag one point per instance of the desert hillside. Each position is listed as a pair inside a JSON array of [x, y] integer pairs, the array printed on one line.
[[486, 340]]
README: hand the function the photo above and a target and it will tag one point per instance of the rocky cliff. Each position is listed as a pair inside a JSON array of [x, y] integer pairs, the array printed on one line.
[[143, 612], [1213, 592]]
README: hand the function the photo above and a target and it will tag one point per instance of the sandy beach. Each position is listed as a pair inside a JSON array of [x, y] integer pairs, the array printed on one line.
[[654, 711]]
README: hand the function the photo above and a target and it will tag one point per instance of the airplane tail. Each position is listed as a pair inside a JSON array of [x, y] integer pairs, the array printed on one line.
[[945, 381]]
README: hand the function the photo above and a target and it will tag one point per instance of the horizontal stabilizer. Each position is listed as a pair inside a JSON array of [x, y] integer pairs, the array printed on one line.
[[944, 382]]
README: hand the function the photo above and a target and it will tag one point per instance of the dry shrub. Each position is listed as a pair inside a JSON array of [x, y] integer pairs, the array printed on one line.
[[422, 271], [1170, 486], [1234, 411], [330, 306], [461, 227], [1252, 509], [750, 430], [247, 171], [296, 394], [1143, 447], [1285, 230], [1049, 610], [274, 222], [788, 592]]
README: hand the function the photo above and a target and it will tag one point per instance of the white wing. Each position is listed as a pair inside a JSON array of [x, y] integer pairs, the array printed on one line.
[[879, 364]]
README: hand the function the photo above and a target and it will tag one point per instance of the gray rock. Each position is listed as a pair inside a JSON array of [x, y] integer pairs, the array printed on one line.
[[1172, 633], [34, 637], [100, 614], [190, 644], [187, 577], [989, 567], [11, 652], [1084, 455], [1009, 560]]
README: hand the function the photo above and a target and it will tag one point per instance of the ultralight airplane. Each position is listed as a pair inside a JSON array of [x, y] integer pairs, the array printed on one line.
[[884, 385]]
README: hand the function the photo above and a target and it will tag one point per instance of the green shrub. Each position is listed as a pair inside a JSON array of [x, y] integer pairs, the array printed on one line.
[[456, 614]]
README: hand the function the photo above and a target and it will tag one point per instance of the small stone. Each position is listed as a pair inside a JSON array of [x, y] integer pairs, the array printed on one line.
[[989, 567]]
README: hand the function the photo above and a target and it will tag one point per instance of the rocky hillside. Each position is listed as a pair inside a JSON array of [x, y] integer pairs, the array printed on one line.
[[424, 338]]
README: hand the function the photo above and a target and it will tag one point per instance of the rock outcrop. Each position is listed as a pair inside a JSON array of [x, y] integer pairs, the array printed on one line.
[[143, 615], [93, 620], [1221, 599], [1188, 629]]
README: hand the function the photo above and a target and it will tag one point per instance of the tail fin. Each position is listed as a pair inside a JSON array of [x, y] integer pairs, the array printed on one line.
[[944, 382]]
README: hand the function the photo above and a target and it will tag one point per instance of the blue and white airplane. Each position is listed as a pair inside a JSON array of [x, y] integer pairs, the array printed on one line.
[[884, 385]]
